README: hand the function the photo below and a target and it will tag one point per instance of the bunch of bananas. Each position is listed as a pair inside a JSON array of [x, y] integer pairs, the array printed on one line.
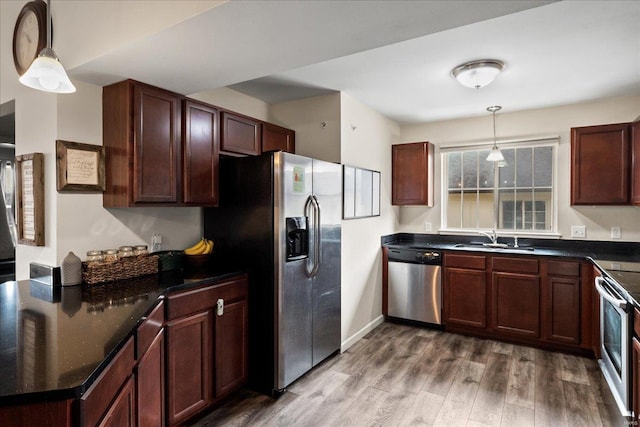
[[204, 246]]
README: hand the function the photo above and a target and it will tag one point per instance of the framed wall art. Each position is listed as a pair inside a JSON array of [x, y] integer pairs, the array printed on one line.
[[79, 167], [30, 199], [361, 193]]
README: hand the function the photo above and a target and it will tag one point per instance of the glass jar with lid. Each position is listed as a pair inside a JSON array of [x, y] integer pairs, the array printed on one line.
[[94, 256], [140, 250], [125, 251], [110, 255]]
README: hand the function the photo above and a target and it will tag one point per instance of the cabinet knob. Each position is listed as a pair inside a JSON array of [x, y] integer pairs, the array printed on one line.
[[220, 307]]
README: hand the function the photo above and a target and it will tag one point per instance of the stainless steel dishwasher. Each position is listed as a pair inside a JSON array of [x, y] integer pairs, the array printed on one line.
[[414, 285]]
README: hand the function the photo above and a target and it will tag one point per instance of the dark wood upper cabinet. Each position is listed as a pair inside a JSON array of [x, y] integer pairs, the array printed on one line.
[[635, 162], [200, 154], [142, 141], [278, 138], [601, 164], [412, 174], [240, 134]]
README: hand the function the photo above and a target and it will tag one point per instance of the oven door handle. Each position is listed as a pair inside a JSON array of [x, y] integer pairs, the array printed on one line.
[[620, 303]]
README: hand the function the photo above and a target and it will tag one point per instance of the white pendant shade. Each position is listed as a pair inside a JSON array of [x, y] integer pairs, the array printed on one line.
[[46, 73], [495, 155]]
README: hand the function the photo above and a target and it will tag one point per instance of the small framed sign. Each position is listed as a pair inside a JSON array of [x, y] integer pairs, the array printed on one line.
[[30, 198], [79, 167]]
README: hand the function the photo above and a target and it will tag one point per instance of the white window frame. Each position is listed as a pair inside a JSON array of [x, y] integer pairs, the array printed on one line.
[[553, 141]]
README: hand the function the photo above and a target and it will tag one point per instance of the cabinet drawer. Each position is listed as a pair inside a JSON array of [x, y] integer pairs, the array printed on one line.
[[189, 302], [475, 262], [148, 330], [516, 265], [102, 392], [563, 268], [636, 322]]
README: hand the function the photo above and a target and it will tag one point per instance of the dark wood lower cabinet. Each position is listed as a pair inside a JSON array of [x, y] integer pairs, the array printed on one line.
[[562, 309], [189, 365], [516, 304], [150, 384], [231, 348], [465, 297], [122, 412]]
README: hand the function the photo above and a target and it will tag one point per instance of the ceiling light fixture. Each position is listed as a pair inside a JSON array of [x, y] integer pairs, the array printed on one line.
[[46, 73], [495, 155], [477, 74]]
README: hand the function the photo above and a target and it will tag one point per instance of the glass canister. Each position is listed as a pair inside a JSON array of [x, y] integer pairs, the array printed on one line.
[[110, 255], [140, 250], [94, 256], [125, 251]]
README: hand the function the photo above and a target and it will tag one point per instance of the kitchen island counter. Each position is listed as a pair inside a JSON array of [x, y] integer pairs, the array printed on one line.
[[54, 342]]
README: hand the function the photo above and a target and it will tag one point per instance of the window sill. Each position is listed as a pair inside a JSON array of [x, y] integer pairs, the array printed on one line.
[[523, 234]]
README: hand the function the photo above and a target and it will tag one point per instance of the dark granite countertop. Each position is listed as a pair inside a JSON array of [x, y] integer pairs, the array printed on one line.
[[614, 259], [54, 342]]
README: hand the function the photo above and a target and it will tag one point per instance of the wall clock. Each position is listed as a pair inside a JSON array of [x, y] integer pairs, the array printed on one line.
[[29, 34]]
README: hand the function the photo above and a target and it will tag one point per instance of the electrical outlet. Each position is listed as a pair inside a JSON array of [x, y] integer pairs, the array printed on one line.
[[156, 242], [578, 231], [615, 232], [428, 226]]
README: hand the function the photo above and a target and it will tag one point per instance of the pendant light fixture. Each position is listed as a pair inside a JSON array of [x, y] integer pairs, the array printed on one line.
[[495, 155], [477, 74], [46, 73]]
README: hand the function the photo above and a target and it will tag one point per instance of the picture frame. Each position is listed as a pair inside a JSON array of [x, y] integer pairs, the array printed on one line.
[[360, 192], [79, 167], [30, 199]]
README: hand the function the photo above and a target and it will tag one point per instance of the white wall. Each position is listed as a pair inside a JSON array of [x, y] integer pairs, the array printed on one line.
[[367, 146], [523, 124], [316, 121]]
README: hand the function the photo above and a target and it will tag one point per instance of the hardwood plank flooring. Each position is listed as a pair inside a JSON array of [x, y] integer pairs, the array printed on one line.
[[400, 375]]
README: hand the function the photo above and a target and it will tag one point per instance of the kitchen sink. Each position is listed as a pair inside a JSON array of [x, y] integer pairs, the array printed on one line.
[[495, 246]]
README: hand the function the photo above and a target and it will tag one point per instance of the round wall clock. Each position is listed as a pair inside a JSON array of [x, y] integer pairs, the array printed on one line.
[[29, 34]]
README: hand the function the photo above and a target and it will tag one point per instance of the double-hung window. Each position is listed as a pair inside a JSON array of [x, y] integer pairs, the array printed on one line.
[[514, 195]]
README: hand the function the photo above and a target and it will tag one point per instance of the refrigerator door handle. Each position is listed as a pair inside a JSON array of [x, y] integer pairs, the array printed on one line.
[[313, 263]]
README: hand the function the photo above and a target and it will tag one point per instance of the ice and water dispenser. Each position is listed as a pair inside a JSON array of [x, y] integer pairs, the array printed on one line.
[[297, 238]]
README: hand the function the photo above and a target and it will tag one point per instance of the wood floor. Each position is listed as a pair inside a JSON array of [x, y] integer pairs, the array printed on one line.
[[406, 376]]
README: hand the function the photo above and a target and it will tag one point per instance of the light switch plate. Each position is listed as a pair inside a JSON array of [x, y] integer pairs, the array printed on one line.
[[428, 226], [615, 232], [578, 231]]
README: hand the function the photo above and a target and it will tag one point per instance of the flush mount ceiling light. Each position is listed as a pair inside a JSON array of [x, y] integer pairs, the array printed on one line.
[[495, 155], [46, 73], [477, 74]]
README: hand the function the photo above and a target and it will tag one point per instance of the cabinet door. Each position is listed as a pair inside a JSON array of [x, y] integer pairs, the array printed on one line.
[[636, 379], [122, 412], [156, 145], [278, 138], [635, 162], [150, 384], [465, 297], [516, 304], [189, 365], [412, 174], [231, 348], [200, 155], [240, 134], [600, 165], [562, 309]]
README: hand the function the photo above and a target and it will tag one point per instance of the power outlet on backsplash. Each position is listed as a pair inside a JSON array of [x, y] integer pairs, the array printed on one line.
[[578, 231]]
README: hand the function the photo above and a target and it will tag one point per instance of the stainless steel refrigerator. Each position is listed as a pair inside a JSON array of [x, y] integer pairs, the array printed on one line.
[[280, 219]]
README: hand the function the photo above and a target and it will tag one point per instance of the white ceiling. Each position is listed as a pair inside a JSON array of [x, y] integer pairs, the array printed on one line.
[[395, 56]]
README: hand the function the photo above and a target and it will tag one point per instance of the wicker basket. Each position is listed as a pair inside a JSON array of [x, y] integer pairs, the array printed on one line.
[[123, 268]]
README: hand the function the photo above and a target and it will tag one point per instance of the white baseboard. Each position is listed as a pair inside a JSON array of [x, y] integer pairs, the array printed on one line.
[[361, 333]]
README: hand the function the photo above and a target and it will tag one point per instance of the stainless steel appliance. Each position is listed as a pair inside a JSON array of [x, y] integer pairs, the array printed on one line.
[[280, 218], [414, 285], [615, 337]]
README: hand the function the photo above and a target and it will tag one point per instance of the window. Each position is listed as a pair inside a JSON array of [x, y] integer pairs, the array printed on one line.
[[513, 195]]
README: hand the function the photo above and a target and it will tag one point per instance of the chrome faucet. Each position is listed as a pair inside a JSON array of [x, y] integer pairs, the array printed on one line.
[[493, 236]]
